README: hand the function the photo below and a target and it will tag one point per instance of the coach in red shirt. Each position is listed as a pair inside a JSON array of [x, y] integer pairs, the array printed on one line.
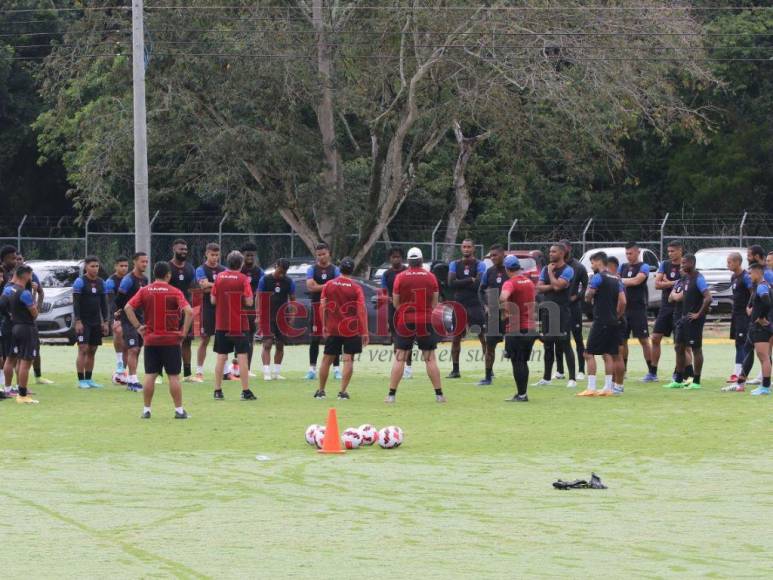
[[415, 296], [344, 325], [161, 305], [517, 299], [231, 293]]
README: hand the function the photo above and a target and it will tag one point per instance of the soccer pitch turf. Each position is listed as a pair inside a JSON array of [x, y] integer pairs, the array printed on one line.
[[91, 490]]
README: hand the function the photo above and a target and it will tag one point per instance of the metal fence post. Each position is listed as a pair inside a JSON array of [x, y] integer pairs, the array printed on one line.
[[292, 242], [220, 230], [434, 231], [18, 233], [584, 233], [86, 234], [663, 233], [740, 229], [510, 233]]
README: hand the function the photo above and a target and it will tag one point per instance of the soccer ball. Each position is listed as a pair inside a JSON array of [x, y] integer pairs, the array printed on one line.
[[319, 437], [368, 433], [351, 438], [311, 434], [390, 437]]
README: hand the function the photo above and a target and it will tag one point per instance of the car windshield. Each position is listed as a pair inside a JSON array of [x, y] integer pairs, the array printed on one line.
[[57, 276], [528, 263], [713, 261]]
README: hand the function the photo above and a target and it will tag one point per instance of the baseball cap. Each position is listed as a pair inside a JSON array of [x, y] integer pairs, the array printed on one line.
[[415, 254], [512, 263]]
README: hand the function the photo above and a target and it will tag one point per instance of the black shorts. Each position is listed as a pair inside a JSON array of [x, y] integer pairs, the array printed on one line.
[[226, 342], [550, 331], [476, 316], [739, 328], [207, 320], [26, 344], [276, 334], [6, 341], [622, 332], [519, 347], [425, 337], [636, 322], [495, 339], [575, 310], [166, 358], [689, 332], [603, 339], [131, 338], [91, 335], [664, 323], [759, 333], [349, 344]]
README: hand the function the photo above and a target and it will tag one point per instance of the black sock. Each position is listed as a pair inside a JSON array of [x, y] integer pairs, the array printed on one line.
[[37, 372], [696, 379], [689, 371], [392, 392], [678, 377], [489, 372], [87, 374], [81, 376], [456, 367], [653, 369], [766, 382], [439, 392], [187, 370], [22, 391]]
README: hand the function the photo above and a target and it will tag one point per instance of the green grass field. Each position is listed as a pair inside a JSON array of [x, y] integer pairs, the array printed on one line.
[[93, 491]]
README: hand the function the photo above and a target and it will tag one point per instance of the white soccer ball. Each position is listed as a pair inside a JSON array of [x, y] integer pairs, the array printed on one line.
[[311, 433], [319, 437], [368, 433], [351, 438], [390, 437]]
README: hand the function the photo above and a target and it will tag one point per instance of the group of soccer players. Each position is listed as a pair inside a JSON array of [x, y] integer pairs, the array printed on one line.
[[498, 303]]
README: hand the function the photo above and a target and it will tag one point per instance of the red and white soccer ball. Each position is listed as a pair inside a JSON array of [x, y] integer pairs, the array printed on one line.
[[390, 437], [368, 434], [311, 434], [319, 437], [351, 438]]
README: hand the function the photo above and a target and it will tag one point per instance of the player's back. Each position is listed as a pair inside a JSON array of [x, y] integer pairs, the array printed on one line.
[[415, 287]]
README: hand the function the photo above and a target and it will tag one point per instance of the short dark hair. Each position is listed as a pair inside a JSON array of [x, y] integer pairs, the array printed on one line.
[[346, 266], [756, 250], [613, 260], [121, 259], [249, 247], [136, 255], [160, 270], [22, 270], [90, 259], [468, 240], [179, 241], [600, 256], [213, 247], [7, 250], [675, 244], [395, 250], [322, 246], [283, 263], [234, 260], [756, 266], [630, 245], [496, 247], [689, 258]]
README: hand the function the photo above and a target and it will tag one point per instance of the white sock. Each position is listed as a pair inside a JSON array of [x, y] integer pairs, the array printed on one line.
[[759, 376], [179, 410], [607, 381], [313, 368], [738, 370], [266, 369], [133, 379], [119, 359], [336, 369], [199, 370], [591, 382], [277, 368], [146, 409]]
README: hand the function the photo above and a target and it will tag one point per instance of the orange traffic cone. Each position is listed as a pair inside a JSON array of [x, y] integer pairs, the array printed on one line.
[[332, 441]]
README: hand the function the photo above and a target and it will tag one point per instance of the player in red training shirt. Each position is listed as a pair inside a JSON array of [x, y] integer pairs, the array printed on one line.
[[230, 293], [415, 295], [344, 325], [518, 298], [161, 305]]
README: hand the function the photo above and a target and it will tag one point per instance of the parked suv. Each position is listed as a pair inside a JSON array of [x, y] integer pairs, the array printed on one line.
[[712, 263]]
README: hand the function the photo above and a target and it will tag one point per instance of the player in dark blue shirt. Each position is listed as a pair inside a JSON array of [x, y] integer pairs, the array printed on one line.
[[491, 283], [18, 303], [576, 298], [760, 328], [205, 278], [317, 276], [634, 274], [695, 299], [130, 285], [184, 279], [120, 269], [90, 314], [38, 293], [275, 291], [255, 272], [669, 272], [741, 287], [396, 265]]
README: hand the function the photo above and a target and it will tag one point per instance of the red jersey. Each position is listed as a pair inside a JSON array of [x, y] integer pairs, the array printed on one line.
[[345, 313], [522, 294], [415, 287], [161, 305], [229, 290]]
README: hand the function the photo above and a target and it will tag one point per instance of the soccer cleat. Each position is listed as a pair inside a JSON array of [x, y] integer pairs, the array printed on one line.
[[27, 400], [756, 381], [120, 378], [693, 386], [145, 415], [454, 375], [542, 383], [319, 394], [248, 395], [311, 375], [84, 384], [408, 372], [587, 393], [440, 399], [484, 383], [736, 388], [277, 377], [760, 391], [518, 399], [674, 385], [343, 396], [198, 378], [43, 381], [733, 379], [93, 385], [218, 395], [580, 376], [650, 378], [571, 385], [390, 399], [559, 376], [159, 380], [267, 377], [337, 374], [134, 387], [11, 392], [605, 393], [688, 381], [618, 389], [188, 379], [183, 415]]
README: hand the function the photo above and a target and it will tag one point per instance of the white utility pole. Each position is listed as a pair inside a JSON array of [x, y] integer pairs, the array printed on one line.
[[141, 206]]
